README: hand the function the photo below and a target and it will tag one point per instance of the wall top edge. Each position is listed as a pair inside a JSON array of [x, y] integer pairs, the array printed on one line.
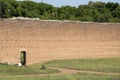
[[62, 21]]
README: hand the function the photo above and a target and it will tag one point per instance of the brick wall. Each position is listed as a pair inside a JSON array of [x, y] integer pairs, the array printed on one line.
[[49, 40]]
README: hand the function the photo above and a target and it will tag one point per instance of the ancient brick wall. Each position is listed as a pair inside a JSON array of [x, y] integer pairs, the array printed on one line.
[[49, 40]]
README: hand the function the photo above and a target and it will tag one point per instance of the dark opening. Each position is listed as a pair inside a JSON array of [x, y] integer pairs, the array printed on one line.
[[23, 58]]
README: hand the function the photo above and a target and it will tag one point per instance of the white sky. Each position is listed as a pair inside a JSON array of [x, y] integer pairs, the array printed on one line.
[[59, 3]]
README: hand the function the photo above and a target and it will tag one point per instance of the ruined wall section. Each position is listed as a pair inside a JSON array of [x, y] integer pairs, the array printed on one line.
[[48, 40]]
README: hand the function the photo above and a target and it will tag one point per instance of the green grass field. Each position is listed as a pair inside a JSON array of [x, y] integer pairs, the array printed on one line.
[[101, 65], [78, 76], [8, 72], [15, 70]]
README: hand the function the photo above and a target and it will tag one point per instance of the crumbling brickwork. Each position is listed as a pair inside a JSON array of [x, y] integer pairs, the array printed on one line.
[[49, 40]]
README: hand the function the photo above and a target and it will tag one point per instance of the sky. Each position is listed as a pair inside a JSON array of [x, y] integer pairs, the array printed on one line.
[[76, 3]]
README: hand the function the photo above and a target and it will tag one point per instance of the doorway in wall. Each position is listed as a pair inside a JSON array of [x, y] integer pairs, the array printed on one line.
[[23, 58]]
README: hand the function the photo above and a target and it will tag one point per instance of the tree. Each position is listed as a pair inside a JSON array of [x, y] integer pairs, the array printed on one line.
[[18, 10], [115, 20], [93, 11], [86, 18], [1, 8], [116, 12], [6, 9], [112, 6]]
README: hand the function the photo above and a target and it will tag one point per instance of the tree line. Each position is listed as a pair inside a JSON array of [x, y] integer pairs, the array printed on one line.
[[93, 11]]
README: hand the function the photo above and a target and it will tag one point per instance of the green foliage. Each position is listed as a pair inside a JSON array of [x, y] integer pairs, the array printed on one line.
[[112, 6], [94, 11], [115, 20], [1, 9], [116, 12], [86, 18]]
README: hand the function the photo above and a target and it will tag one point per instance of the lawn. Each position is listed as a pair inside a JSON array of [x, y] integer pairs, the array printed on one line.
[[79, 76], [101, 64], [15, 70]]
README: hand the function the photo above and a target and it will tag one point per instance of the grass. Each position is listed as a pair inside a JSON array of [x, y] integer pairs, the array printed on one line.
[[101, 64], [10, 72], [79, 76], [15, 70]]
